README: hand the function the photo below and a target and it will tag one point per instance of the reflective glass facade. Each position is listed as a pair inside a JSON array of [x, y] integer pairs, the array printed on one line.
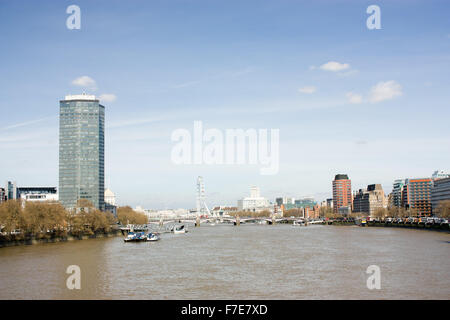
[[81, 152]]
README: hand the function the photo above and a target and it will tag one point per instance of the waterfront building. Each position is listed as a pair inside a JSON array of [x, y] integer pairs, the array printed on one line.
[[37, 194], [440, 174], [344, 210], [220, 211], [440, 192], [369, 200], [305, 202], [342, 192], [419, 195], [284, 200], [397, 189], [255, 202], [330, 202], [81, 151]]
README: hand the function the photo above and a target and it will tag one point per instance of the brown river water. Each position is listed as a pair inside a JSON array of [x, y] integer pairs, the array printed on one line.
[[244, 262]]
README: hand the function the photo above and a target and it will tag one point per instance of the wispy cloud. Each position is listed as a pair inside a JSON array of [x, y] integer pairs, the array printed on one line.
[[354, 98], [307, 89], [26, 123], [85, 82], [334, 66], [186, 84], [385, 91], [108, 97]]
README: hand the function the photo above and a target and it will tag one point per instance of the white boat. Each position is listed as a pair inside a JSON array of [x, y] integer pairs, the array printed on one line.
[[179, 230], [153, 237], [298, 223]]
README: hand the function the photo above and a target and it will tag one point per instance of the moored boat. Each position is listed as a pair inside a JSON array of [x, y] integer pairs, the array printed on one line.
[[153, 237]]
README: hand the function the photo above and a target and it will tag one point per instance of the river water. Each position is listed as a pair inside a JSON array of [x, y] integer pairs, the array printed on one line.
[[244, 262]]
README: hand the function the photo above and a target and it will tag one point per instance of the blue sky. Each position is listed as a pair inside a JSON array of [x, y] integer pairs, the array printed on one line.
[[378, 112]]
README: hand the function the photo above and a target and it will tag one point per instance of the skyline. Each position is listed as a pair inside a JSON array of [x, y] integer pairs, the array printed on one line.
[[346, 99]]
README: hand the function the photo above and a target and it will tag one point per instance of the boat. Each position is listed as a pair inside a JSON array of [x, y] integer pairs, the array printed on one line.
[[298, 223], [135, 237], [179, 230], [153, 237]]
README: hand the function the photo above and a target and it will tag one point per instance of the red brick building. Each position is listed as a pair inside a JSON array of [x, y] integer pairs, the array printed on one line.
[[342, 192]]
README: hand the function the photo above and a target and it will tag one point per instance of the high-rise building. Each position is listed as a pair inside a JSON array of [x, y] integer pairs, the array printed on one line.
[[342, 192], [440, 192], [255, 202], [11, 190], [81, 151], [419, 195], [369, 200], [397, 189]]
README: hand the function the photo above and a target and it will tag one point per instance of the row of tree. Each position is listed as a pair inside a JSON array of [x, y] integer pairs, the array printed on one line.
[[50, 219]]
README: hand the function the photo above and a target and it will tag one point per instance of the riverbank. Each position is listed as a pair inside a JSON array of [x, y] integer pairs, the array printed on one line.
[[431, 227], [31, 240]]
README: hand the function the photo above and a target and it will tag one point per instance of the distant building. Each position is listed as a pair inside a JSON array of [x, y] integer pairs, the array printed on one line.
[[342, 192], [284, 200], [397, 189], [110, 202], [439, 174], [330, 202], [223, 210], [344, 210], [369, 200], [81, 151], [2, 195], [11, 190], [37, 193], [419, 195], [440, 192], [255, 202], [110, 197]]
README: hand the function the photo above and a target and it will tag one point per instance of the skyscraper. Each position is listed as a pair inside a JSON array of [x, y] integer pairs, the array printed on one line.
[[81, 150], [342, 192]]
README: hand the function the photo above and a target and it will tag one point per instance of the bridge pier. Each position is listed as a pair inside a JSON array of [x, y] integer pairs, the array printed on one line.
[[197, 221], [238, 221]]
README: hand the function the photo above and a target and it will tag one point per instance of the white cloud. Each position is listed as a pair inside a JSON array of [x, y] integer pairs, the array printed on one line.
[[354, 98], [385, 91], [334, 66], [107, 97], [308, 89], [85, 82]]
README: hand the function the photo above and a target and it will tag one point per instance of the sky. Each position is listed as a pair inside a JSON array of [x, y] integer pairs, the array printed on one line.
[[373, 104]]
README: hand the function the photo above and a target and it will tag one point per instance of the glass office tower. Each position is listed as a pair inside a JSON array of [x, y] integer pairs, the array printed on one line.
[[81, 151]]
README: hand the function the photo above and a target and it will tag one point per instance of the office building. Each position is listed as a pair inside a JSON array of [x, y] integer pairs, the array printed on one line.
[[11, 190], [342, 192], [37, 193], [440, 192], [369, 200], [255, 202], [81, 151], [419, 195], [397, 189]]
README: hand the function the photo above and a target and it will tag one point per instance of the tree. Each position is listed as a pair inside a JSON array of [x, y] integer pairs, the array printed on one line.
[[380, 213], [127, 215], [443, 209], [11, 216]]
